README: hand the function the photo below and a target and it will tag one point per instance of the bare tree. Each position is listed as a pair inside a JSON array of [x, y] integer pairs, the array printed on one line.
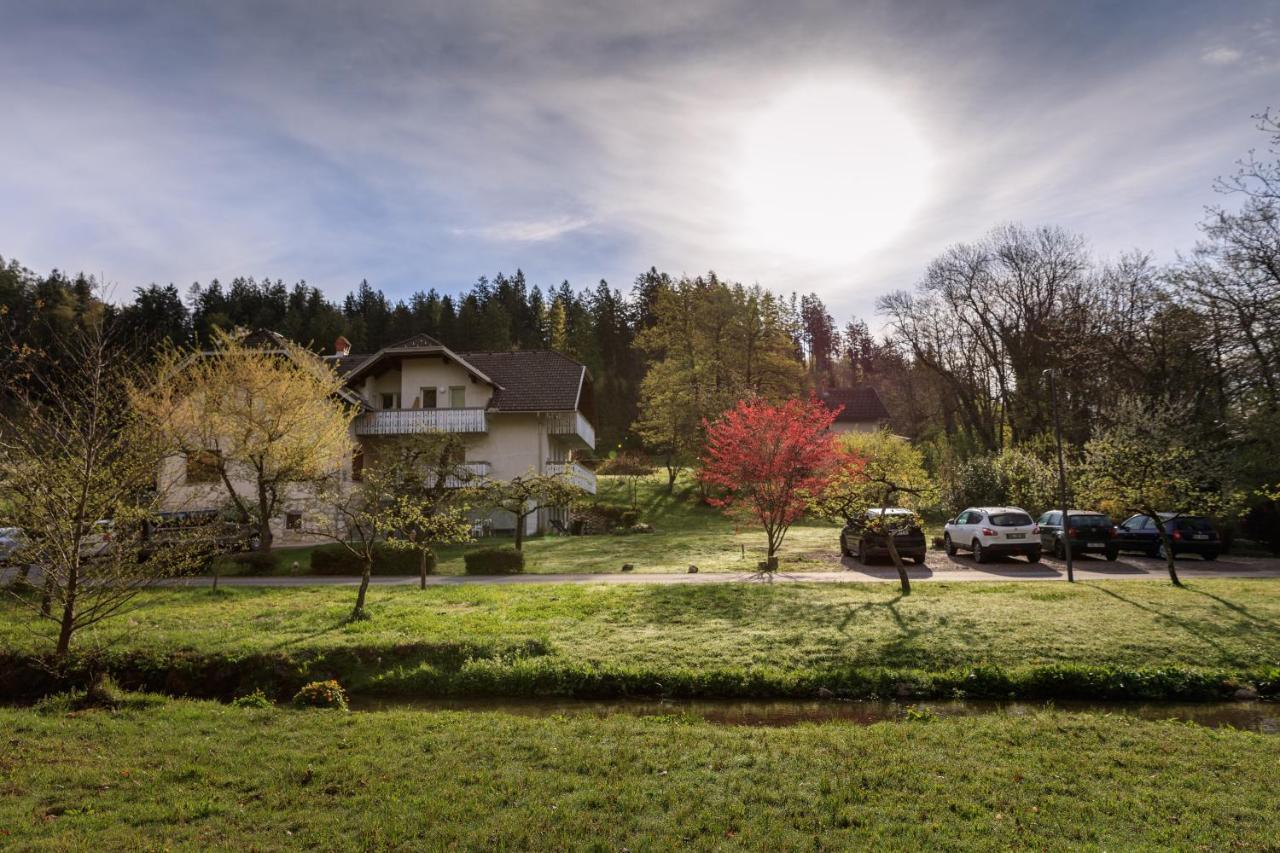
[[79, 469]]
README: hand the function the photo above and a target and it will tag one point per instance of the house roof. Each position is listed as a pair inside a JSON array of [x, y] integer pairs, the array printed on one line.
[[419, 345], [531, 380], [859, 404]]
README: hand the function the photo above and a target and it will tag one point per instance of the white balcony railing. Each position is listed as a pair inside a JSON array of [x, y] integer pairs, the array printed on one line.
[[576, 473], [408, 421], [572, 424]]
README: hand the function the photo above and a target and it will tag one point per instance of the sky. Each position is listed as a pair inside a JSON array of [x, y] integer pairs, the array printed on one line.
[[808, 146]]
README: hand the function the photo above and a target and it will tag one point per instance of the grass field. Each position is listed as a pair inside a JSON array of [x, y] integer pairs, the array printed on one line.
[[730, 639], [686, 531], [177, 774]]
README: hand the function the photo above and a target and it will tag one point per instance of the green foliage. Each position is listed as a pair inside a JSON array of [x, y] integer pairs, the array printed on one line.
[[321, 694], [891, 470], [259, 562], [256, 699], [494, 561], [1013, 477]]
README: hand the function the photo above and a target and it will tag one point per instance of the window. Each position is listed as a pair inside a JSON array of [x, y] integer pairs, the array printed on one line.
[[1010, 519], [357, 464], [458, 397], [391, 401], [428, 398], [202, 467], [293, 520]]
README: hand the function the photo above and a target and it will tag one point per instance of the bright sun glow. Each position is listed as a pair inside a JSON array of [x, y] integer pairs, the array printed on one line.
[[829, 172]]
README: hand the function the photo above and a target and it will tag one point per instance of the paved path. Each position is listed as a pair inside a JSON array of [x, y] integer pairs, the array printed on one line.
[[938, 568]]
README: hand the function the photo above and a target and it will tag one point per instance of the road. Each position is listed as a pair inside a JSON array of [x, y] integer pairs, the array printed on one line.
[[939, 567]]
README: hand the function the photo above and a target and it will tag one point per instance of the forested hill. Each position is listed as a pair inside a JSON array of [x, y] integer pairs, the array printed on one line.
[[719, 327]]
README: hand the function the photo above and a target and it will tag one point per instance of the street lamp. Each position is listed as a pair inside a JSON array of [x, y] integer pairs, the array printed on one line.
[[1062, 473]]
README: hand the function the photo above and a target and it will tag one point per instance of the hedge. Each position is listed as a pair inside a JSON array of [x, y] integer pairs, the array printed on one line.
[[337, 560], [494, 561]]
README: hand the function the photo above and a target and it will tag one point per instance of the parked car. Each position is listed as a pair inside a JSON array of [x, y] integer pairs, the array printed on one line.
[[857, 539], [1088, 532], [96, 541], [1190, 534], [11, 539], [989, 531]]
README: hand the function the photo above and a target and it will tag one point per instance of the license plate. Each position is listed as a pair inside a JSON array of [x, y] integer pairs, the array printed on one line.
[[1097, 546], [1017, 535], [1201, 536]]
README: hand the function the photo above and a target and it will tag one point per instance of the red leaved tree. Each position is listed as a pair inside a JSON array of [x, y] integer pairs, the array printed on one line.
[[771, 462]]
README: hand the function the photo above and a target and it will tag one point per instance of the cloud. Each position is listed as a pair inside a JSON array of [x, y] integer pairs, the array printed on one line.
[[1222, 56], [528, 230], [423, 145]]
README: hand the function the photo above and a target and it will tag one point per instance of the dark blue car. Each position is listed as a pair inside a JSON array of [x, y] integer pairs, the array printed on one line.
[[1189, 534]]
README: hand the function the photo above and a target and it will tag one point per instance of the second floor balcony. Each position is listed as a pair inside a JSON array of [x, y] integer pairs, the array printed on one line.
[[573, 426], [410, 421], [574, 472]]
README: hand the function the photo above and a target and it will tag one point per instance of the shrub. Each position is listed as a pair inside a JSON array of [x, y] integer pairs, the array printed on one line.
[[321, 694], [256, 699], [629, 518], [257, 562], [337, 560], [494, 561]]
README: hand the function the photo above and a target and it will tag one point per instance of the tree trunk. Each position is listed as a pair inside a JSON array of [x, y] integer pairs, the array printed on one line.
[[365, 573], [1168, 552], [264, 519], [672, 470], [520, 518], [426, 566], [893, 549], [46, 598], [68, 620]]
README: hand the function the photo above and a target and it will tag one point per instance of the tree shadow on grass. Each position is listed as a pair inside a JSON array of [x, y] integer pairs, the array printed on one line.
[[1192, 628], [1239, 609]]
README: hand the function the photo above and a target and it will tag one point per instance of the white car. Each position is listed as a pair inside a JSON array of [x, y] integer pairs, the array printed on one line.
[[989, 531]]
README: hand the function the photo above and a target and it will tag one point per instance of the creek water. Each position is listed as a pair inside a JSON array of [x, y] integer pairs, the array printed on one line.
[[1263, 717]]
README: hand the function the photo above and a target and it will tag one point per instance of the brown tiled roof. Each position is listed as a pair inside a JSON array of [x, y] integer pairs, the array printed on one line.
[[531, 380], [860, 404], [344, 364]]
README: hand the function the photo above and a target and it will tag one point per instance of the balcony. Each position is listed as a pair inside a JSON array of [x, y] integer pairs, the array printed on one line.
[[411, 421], [578, 474], [572, 425]]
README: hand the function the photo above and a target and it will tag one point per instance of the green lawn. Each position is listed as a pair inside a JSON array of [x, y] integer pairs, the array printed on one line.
[[195, 775], [723, 639], [686, 531]]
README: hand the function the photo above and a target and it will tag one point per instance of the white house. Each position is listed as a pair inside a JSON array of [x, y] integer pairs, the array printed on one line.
[[517, 412]]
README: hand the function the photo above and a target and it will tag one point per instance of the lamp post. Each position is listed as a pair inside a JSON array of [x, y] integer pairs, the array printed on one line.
[[1062, 473]]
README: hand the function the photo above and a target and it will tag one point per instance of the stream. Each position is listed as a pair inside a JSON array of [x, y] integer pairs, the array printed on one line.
[[1263, 717]]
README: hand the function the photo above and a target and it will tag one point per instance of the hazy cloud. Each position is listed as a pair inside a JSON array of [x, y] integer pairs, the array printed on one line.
[[425, 145]]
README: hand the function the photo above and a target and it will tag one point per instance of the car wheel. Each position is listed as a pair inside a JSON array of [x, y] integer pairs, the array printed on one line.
[[949, 545], [979, 555], [1033, 557], [919, 560], [1058, 551], [1209, 556], [862, 554], [844, 546], [1111, 554]]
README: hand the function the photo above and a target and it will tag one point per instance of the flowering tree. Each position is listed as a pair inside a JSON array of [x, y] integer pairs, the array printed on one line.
[[771, 462], [874, 472]]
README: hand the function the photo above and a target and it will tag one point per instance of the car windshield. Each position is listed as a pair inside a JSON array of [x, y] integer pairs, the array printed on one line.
[[1090, 521], [1010, 519]]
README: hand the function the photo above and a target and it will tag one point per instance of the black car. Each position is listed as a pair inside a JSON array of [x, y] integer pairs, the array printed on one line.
[[1189, 534], [1088, 533], [857, 539]]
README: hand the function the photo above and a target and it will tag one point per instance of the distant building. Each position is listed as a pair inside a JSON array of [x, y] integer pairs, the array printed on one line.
[[861, 409]]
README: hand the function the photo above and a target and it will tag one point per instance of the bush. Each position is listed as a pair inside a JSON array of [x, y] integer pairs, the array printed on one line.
[[257, 562], [256, 699], [321, 694], [630, 518], [337, 560], [494, 561]]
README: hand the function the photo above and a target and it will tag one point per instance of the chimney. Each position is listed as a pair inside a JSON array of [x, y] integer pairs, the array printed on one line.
[[342, 346]]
